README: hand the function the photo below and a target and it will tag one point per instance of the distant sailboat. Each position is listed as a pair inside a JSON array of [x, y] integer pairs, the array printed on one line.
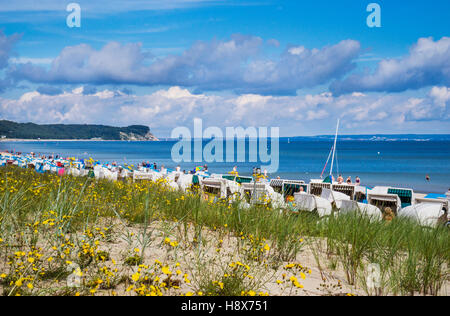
[[332, 154]]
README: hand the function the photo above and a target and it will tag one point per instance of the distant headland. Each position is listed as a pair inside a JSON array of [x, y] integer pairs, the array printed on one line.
[[29, 131]]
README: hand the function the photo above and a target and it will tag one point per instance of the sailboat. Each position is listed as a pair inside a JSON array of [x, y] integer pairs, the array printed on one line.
[[320, 198], [317, 185], [332, 153], [289, 188], [352, 191]]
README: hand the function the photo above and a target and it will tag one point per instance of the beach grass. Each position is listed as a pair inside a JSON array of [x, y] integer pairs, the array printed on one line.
[[81, 236]]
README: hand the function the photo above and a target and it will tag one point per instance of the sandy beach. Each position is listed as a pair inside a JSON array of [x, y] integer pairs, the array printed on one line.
[[147, 238]]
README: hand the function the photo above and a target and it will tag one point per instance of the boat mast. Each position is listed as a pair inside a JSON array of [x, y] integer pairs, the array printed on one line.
[[334, 148]]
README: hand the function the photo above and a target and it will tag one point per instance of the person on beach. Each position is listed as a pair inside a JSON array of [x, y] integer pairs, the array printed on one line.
[[358, 181], [178, 168], [349, 180], [121, 174], [427, 178], [155, 167], [340, 179], [205, 168]]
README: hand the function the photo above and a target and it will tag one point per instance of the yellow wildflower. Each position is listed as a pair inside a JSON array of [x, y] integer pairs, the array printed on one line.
[[135, 277], [166, 270]]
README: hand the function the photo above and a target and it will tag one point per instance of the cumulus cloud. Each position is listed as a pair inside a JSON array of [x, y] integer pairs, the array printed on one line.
[[166, 109], [427, 64], [112, 64], [6, 46], [273, 42], [441, 96], [235, 64], [435, 107], [300, 67]]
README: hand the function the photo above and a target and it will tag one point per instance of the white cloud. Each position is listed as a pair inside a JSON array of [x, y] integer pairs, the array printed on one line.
[[427, 64], [441, 95], [316, 115], [165, 109], [296, 50], [28, 97], [235, 64], [6, 51], [273, 42]]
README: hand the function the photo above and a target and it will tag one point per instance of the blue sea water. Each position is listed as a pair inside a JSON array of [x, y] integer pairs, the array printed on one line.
[[396, 163]]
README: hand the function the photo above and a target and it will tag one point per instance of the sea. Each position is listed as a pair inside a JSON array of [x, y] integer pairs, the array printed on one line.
[[400, 163]]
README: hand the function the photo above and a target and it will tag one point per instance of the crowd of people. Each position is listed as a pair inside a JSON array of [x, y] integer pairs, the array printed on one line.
[[340, 180], [163, 169]]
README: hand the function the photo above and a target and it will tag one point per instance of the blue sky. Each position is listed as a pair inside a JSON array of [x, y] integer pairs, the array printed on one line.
[[295, 64]]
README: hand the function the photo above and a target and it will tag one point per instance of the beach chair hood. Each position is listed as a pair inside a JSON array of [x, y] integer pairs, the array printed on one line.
[[184, 181], [334, 197], [426, 214], [348, 206], [309, 202]]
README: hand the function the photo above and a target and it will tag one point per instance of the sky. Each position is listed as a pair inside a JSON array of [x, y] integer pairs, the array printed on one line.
[[296, 65]]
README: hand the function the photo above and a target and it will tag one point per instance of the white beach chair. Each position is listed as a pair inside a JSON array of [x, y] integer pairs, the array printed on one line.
[[426, 214], [310, 202], [276, 198], [110, 175], [98, 172], [348, 206], [334, 197], [184, 181]]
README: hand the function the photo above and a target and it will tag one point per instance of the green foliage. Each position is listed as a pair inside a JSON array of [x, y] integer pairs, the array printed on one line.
[[412, 259], [60, 131]]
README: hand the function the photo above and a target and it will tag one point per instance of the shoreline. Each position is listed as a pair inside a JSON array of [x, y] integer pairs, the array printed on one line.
[[72, 140], [89, 149], [419, 192]]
